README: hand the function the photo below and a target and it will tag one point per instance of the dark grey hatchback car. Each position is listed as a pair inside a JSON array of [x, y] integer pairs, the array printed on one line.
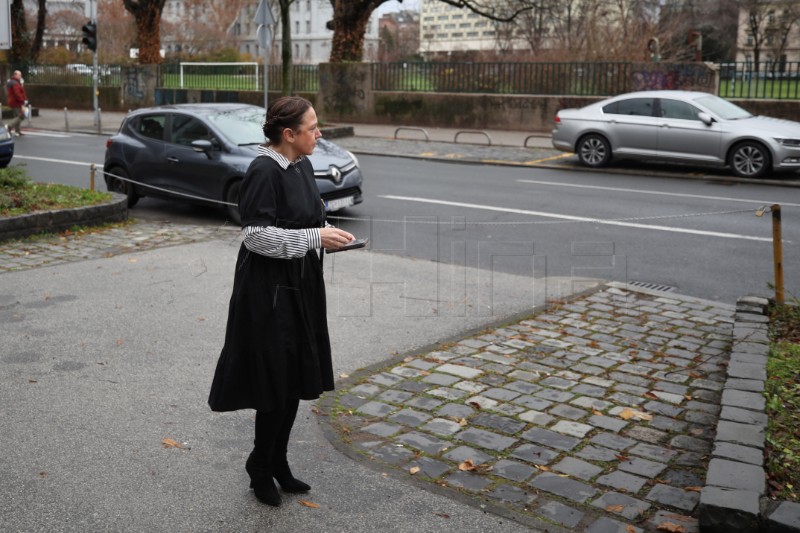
[[200, 153]]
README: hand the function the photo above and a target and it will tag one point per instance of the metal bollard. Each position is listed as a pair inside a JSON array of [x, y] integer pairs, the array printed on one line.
[[91, 177], [66, 120], [777, 251]]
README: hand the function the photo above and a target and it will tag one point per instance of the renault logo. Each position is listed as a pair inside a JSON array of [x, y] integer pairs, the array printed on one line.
[[336, 174]]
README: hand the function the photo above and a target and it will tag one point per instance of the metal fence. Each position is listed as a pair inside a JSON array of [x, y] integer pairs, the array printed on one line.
[[74, 74], [577, 79], [235, 77], [776, 80]]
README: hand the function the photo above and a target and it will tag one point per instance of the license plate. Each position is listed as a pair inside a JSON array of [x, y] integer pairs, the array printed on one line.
[[339, 203]]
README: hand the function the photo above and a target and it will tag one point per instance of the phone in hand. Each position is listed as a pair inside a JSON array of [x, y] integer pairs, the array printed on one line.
[[352, 245]]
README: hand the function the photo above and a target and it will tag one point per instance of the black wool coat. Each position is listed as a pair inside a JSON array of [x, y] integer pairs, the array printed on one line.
[[276, 341]]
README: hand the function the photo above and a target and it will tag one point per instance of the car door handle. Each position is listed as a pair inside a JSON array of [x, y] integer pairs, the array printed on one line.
[[173, 160]]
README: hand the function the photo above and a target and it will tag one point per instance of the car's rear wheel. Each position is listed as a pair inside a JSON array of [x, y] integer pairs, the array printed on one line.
[[232, 197], [594, 151], [114, 184], [750, 160]]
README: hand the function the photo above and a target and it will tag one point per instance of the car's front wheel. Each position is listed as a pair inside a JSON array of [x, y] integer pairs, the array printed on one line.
[[750, 160], [232, 197], [116, 181], [594, 151]]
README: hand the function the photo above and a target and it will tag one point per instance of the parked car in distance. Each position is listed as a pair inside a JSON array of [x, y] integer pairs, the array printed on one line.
[[78, 68], [6, 146], [681, 126], [200, 153]]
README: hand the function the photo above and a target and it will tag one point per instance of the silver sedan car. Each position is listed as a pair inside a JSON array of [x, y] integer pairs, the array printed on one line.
[[682, 126]]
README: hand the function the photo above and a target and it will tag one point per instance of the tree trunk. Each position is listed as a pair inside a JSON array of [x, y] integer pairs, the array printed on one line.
[[20, 52], [147, 14], [350, 19], [41, 16]]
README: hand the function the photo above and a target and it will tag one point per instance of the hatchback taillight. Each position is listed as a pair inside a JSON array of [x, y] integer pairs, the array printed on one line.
[[558, 120], [109, 142]]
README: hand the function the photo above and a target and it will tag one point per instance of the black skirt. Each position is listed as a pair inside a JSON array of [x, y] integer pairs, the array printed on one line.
[[277, 345]]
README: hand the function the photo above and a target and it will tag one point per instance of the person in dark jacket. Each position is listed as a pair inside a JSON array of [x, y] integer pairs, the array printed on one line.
[[16, 99], [277, 349]]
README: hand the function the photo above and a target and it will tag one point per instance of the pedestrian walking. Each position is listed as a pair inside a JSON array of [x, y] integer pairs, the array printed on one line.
[[17, 98], [277, 349]]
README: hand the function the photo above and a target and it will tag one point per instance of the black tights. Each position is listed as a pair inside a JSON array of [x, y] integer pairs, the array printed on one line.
[[272, 435]]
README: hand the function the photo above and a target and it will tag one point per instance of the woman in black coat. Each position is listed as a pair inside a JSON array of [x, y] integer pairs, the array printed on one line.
[[277, 350]]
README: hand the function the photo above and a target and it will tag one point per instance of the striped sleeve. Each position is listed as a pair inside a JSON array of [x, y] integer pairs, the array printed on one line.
[[281, 243]]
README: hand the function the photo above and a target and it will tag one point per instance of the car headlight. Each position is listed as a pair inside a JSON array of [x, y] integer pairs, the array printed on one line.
[[355, 159], [5, 134], [792, 143]]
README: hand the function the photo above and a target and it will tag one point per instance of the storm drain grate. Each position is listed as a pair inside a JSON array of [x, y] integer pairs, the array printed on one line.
[[651, 286]]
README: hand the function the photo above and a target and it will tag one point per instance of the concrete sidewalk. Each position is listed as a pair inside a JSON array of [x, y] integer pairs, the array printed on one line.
[[80, 121]]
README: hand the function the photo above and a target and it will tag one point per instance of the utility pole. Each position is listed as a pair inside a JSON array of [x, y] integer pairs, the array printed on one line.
[[90, 40], [265, 22]]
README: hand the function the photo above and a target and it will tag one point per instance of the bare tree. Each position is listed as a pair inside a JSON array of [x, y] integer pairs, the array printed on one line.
[[147, 17], [782, 26], [24, 47]]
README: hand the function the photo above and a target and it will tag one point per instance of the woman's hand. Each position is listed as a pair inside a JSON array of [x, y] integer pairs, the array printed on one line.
[[334, 238]]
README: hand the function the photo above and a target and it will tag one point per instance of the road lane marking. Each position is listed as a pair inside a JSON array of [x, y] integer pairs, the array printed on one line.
[[577, 219], [49, 160], [552, 158], [43, 134], [658, 193]]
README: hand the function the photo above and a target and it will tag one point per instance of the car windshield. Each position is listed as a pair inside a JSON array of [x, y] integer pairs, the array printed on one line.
[[241, 126], [722, 108]]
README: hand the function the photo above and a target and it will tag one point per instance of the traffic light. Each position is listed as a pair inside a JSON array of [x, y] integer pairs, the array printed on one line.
[[90, 35]]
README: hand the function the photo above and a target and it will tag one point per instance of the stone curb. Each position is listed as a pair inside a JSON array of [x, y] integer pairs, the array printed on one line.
[[733, 499], [116, 210]]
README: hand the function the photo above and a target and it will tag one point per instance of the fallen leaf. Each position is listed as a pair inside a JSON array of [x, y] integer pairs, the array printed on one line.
[[413, 470], [442, 515], [344, 376], [688, 397], [172, 443], [695, 375], [623, 458], [467, 466], [309, 504], [671, 528], [543, 468], [201, 319], [630, 529], [42, 474], [408, 359], [615, 508], [32, 381], [597, 413], [693, 489], [132, 260], [315, 409], [463, 422], [628, 413], [650, 395], [120, 342], [476, 405]]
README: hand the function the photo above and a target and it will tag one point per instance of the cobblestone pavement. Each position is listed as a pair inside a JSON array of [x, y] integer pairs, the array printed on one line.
[[593, 415], [104, 242]]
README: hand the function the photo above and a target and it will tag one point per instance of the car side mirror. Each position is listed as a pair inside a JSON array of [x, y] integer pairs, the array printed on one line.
[[705, 118], [204, 146]]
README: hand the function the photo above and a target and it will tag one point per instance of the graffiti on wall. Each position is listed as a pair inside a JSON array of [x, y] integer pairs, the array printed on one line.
[[677, 76]]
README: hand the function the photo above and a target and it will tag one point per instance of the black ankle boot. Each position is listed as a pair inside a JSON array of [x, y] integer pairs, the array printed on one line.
[[261, 482], [287, 481]]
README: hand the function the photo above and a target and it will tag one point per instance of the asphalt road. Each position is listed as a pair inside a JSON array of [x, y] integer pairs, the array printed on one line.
[[700, 237]]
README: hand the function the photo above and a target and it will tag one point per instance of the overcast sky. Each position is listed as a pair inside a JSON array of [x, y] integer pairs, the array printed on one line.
[[394, 5]]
